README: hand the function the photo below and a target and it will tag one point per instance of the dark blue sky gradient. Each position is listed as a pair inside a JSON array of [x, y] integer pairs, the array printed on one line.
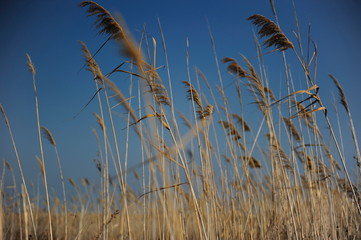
[[49, 31]]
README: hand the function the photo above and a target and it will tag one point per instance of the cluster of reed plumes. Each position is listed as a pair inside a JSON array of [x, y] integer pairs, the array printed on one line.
[[207, 174]]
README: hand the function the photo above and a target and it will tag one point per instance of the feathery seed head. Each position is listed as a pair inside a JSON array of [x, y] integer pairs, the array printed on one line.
[[268, 28], [48, 135], [30, 65], [343, 99]]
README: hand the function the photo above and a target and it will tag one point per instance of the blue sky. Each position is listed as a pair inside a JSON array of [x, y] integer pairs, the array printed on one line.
[[49, 31]]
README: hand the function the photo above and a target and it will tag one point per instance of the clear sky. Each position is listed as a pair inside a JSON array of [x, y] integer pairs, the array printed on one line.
[[49, 31]]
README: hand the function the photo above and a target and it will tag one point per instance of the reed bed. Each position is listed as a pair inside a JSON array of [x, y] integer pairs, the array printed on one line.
[[209, 173]]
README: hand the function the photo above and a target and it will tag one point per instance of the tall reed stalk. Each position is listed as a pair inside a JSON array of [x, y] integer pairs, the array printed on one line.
[[32, 71]]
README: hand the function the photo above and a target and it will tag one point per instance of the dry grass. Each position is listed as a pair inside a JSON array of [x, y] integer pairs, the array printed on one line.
[[220, 177]]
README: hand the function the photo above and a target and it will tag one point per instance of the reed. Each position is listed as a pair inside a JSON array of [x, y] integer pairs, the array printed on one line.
[[211, 171]]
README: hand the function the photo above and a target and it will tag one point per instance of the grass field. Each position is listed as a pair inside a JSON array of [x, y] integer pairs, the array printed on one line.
[[203, 174]]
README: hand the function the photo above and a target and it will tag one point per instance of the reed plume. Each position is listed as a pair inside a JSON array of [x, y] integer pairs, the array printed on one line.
[[159, 92], [192, 95], [241, 122], [251, 161], [116, 30], [93, 67], [100, 121], [343, 99], [254, 83], [48, 135], [104, 20], [292, 128], [41, 165], [234, 67], [267, 28], [231, 129]]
